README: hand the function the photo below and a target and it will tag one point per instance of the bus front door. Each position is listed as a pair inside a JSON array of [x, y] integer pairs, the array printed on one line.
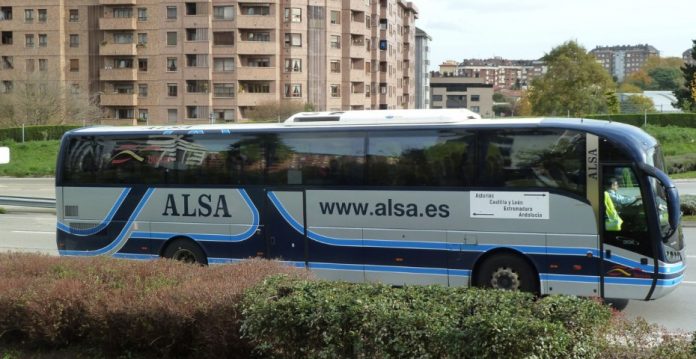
[[284, 226], [628, 260]]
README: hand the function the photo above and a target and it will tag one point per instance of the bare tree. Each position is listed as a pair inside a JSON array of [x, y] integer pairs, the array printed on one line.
[[40, 99]]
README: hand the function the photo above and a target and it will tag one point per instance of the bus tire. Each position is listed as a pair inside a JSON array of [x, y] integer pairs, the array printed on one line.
[[508, 272], [186, 251]]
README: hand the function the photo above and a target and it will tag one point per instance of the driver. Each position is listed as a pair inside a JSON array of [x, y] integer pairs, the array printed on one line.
[[619, 199]]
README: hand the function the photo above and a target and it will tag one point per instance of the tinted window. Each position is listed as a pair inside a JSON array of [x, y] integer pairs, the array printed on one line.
[[609, 152], [316, 158], [166, 159], [420, 158], [534, 158]]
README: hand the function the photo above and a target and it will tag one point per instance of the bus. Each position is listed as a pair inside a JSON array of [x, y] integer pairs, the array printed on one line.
[[394, 196]]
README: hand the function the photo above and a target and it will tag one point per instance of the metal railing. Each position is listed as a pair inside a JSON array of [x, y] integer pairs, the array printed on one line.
[[27, 202]]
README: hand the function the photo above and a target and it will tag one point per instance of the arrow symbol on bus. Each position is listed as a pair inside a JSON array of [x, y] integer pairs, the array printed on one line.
[[535, 195], [483, 214]]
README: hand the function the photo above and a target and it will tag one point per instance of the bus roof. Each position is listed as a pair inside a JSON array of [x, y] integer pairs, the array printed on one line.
[[615, 131]]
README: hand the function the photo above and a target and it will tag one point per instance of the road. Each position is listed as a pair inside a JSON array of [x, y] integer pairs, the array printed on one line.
[[33, 230]]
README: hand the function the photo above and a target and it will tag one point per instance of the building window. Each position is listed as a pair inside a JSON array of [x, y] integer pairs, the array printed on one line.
[[293, 40], [171, 13], [200, 34], [172, 90], [143, 115], [142, 38], [194, 9], [43, 15], [123, 13], [43, 65], [223, 90], [194, 112], [30, 65], [124, 113], [172, 115], [475, 98], [142, 14], [293, 14], [7, 63], [476, 109], [293, 90], [335, 17], [172, 64], [74, 65], [28, 15], [75, 89], [293, 65], [223, 64], [74, 15], [29, 40], [226, 115], [43, 40], [335, 41], [197, 60], [142, 90], [335, 66], [263, 36], [171, 38], [123, 38], [6, 86], [258, 62], [335, 90], [224, 38], [255, 87], [255, 9], [223, 12], [142, 65], [74, 40]]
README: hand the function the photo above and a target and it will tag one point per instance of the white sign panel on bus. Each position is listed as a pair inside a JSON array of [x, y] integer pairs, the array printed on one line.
[[517, 205]]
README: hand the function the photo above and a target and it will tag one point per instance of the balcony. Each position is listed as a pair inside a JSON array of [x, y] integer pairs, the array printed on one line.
[[111, 74], [257, 22], [255, 99], [117, 2], [357, 99], [197, 47], [117, 23], [197, 73], [257, 73], [257, 47], [197, 21], [197, 98], [119, 99], [111, 49]]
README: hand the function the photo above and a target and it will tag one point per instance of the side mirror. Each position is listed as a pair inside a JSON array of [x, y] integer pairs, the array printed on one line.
[[4, 155], [673, 206]]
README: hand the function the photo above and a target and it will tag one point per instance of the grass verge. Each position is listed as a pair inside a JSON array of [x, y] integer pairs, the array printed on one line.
[[31, 159]]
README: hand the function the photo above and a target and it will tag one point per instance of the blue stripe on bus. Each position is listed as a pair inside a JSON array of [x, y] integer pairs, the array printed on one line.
[[142, 257], [104, 223], [122, 237]]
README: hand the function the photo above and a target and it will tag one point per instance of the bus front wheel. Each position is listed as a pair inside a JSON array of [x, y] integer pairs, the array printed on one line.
[[508, 272], [185, 251]]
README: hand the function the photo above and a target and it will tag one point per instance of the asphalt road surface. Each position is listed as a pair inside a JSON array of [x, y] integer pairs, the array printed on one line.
[[33, 230]]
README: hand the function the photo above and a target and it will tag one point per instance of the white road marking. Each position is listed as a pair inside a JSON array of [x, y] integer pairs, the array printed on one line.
[[34, 232]]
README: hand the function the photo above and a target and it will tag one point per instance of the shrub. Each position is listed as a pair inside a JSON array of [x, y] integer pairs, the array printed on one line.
[[688, 204], [162, 307], [35, 133], [658, 119], [638, 339], [294, 318]]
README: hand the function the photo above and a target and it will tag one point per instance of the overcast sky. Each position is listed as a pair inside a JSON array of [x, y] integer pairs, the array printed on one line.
[[528, 29]]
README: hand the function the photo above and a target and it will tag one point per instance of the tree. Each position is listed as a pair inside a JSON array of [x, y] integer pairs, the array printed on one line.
[[40, 99], [658, 73], [686, 94], [574, 84], [637, 104]]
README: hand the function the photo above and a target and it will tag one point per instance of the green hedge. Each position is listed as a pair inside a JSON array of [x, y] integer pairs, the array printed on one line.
[[658, 119], [35, 133], [309, 319]]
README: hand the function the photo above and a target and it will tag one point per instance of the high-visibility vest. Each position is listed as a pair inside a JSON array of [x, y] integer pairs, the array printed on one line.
[[612, 221]]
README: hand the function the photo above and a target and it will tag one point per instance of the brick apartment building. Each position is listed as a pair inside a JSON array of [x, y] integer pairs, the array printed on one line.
[[177, 61], [621, 61], [451, 90], [501, 73]]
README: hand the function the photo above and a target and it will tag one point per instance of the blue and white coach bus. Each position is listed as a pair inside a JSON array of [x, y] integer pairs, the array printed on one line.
[[547, 205]]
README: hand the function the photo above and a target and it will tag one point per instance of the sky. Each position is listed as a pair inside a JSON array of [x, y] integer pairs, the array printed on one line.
[[528, 29]]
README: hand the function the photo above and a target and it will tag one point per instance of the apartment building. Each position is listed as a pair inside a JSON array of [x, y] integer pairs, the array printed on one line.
[[621, 61], [461, 92], [178, 61], [422, 73], [502, 73]]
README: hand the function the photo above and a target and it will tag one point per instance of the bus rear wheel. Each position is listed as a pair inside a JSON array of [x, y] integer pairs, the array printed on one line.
[[186, 251], [507, 272]]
